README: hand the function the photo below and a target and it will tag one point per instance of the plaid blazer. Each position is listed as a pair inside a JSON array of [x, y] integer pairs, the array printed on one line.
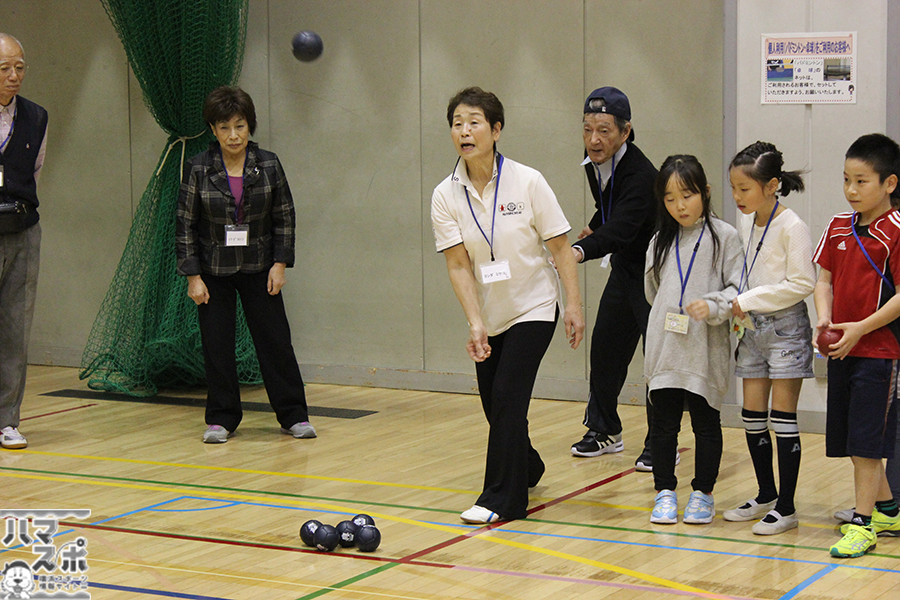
[[206, 206]]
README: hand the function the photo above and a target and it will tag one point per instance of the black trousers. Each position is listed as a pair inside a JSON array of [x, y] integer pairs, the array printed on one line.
[[621, 322], [271, 335], [505, 383], [668, 408]]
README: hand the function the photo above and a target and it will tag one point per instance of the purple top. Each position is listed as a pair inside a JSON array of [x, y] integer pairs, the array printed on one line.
[[237, 190]]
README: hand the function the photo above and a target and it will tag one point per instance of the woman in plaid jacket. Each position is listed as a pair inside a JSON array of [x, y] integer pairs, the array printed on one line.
[[235, 235]]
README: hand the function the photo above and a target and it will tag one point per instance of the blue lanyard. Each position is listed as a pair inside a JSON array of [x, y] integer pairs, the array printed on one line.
[[222, 156], [494, 216], [746, 271], [866, 254], [612, 179], [684, 278], [11, 128]]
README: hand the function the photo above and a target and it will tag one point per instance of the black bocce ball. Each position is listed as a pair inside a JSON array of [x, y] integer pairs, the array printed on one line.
[[346, 533], [308, 532], [307, 46], [368, 538], [326, 538], [363, 519]]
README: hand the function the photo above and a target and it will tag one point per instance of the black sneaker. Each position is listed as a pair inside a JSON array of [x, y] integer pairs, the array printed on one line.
[[595, 444], [644, 462]]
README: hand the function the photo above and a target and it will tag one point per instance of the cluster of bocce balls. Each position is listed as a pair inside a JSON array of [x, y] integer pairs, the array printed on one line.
[[359, 531]]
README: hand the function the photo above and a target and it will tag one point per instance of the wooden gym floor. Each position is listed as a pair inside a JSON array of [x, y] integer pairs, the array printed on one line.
[[173, 517]]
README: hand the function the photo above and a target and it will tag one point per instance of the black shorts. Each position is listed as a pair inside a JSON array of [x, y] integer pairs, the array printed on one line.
[[862, 411]]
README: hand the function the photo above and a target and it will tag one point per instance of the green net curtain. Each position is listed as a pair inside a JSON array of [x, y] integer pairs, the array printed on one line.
[[146, 334]]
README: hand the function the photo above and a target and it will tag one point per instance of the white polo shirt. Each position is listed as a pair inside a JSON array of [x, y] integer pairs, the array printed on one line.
[[527, 214]]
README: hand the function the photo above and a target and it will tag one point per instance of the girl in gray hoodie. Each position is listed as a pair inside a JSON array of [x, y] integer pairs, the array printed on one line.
[[693, 272]]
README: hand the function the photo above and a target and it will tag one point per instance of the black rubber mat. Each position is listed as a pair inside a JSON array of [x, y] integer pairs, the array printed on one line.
[[314, 411]]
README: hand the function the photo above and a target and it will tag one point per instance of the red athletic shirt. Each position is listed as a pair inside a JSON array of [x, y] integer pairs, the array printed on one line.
[[858, 289]]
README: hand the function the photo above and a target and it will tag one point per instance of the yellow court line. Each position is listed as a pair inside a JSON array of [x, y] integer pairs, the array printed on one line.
[[445, 528], [247, 471]]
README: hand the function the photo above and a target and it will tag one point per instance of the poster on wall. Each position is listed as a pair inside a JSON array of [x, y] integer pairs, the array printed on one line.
[[809, 68]]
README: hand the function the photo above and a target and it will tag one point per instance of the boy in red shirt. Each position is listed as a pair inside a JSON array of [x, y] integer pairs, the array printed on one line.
[[859, 256]]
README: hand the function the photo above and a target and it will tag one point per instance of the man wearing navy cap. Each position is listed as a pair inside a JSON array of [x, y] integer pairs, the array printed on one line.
[[621, 179]]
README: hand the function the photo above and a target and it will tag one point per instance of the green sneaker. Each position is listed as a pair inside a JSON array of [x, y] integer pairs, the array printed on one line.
[[857, 541], [882, 525], [885, 525]]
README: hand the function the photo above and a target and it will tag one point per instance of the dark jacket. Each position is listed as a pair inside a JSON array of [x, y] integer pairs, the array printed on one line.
[[206, 206], [629, 227], [20, 155]]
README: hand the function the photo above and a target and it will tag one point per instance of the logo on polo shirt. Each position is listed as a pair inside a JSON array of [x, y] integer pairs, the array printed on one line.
[[511, 208], [842, 245]]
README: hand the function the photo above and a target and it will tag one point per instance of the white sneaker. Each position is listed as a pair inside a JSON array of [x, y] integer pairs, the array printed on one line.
[[301, 430], [11, 439], [779, 525], [215, 434], [479, 514], [748, 511], [665, 508]]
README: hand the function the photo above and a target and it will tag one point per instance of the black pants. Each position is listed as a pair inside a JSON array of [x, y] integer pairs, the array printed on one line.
[[271, 335], [668, 408], [621, 322], [505, 383]]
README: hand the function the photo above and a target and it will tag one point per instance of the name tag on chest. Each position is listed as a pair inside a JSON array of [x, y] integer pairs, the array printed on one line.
[[677, 322], [237, 235], [497, 270]]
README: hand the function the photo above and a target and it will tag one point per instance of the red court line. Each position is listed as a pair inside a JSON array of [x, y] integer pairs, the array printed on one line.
[[192, 538], [597, 484], [56, 412]]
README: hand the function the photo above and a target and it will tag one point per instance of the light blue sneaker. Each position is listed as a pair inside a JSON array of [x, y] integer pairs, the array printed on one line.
[[665, 508], [701, 508]]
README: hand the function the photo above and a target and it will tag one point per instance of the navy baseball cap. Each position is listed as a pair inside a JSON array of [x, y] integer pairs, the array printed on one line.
[[609, 100]]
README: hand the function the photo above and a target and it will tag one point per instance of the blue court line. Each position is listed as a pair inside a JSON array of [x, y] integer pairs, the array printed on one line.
[[228, 504], [232, 503], [136, 590], [805, 584], [663, 547]]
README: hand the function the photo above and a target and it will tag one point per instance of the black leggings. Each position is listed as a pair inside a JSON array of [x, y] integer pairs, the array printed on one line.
[[668, 408], [505, 383]]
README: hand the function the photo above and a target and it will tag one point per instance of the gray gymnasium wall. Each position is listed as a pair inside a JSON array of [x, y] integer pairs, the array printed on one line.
[[815, 136], [363, 138]]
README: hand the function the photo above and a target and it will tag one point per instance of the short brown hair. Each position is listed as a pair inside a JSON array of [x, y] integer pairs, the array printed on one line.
[[226, 102]]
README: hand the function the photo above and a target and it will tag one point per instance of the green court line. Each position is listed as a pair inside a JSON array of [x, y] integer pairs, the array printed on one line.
[[347, 582], [436, 510]]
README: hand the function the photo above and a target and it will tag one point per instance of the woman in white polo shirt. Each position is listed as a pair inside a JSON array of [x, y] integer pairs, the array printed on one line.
[[498, 223]]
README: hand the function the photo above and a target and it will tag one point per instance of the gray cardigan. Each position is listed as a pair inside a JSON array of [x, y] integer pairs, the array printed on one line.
[[701, 360]]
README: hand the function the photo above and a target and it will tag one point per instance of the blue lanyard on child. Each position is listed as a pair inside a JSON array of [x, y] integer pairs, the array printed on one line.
[[494, 216], [612, 178], [866, 254], [684, 278], [746, 271]]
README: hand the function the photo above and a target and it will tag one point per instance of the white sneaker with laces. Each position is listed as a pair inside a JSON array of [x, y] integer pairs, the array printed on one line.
[[11, 439]]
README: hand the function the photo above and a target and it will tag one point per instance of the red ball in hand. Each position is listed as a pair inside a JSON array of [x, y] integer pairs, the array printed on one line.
[[828, 338]]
